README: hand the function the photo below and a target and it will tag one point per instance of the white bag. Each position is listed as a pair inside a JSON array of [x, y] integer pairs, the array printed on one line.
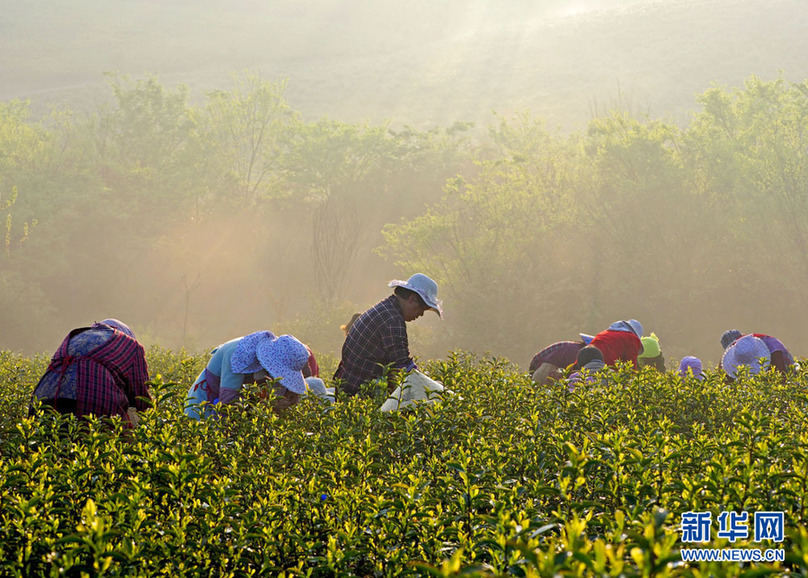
[[417, 387], [316, 386]]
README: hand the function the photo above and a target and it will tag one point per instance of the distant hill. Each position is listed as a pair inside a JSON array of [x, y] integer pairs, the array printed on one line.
[[419, 62]]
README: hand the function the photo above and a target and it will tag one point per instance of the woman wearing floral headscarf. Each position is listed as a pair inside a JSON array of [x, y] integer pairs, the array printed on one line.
[[249, 359]]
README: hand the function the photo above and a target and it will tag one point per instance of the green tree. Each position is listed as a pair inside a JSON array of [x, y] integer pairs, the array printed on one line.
[[749, 152], [492, 240], [23, 148], [247, 128], [343, 172], [638, 216], [145, 148]]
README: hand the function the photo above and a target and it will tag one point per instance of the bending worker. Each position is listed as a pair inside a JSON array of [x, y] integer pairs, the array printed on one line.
[[378, 339]]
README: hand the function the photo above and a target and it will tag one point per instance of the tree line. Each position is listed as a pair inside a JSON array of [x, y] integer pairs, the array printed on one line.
[[198, 221]]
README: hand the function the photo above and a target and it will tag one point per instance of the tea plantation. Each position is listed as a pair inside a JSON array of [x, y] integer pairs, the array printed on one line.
[[500, 479]]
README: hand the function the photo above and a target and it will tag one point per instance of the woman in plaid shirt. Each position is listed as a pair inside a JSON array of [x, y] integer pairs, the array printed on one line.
[[99, 370], [378, 338]]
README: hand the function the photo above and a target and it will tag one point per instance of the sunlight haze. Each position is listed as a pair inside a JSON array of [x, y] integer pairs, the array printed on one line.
[[399, 136]]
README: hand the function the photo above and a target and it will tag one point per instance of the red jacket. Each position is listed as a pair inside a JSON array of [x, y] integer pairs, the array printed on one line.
[[618, 345]]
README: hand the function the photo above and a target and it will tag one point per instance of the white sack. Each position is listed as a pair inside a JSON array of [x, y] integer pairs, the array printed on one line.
[[416, 387]]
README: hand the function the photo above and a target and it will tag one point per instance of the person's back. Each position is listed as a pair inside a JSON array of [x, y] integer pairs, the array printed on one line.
[[99, 370], [620, 342], [377, 339], [781, 357], [560, 354]]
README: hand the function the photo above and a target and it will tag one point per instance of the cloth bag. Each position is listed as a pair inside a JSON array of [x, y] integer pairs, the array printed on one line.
[[417, 387]]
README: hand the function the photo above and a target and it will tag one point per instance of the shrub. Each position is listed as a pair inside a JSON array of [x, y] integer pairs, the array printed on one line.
[[501, 478]]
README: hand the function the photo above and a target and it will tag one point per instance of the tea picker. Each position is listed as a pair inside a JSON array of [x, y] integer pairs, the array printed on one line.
[[620, 342], [97, 371], [253, 358], [378, 340]]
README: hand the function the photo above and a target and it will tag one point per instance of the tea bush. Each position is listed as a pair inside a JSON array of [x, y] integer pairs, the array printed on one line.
[[501, 478]]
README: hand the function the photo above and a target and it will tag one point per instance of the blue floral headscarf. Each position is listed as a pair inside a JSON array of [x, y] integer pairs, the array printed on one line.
[[244, 359]]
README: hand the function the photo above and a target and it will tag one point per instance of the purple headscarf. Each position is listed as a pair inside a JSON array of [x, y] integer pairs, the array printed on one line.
[[692, 364], [120, 326]]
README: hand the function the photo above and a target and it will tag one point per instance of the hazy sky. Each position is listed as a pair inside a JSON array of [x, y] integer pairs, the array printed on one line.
[[421, 61]]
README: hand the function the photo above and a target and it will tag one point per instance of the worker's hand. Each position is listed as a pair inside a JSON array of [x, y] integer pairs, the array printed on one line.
[[133, 416], [284, 399]]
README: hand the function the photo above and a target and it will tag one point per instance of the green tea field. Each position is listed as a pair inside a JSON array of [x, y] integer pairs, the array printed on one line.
[[501, 478]]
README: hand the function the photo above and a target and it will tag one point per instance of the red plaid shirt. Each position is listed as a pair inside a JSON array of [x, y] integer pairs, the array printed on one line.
[[102, 369], [377, 339]]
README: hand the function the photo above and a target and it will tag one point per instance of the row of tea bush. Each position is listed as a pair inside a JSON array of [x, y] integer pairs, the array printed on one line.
[[500, 478]]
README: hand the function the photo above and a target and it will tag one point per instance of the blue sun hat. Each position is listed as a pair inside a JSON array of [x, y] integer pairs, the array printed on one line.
[[425, 287], [746, 351], [636, 327], [244, 359], [284, 358]]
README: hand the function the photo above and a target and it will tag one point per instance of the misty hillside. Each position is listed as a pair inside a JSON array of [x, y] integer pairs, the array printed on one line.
[[417, 62]]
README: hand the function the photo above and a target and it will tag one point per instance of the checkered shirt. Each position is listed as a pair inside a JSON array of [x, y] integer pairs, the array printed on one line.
[[102, 369], [377, 339]]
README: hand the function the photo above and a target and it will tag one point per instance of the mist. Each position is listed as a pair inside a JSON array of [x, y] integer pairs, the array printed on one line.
[[477, 142]]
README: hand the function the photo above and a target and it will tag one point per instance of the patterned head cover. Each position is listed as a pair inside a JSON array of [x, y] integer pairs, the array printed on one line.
[[748, 351], [284, 358], [244, 359], [119, 325]]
